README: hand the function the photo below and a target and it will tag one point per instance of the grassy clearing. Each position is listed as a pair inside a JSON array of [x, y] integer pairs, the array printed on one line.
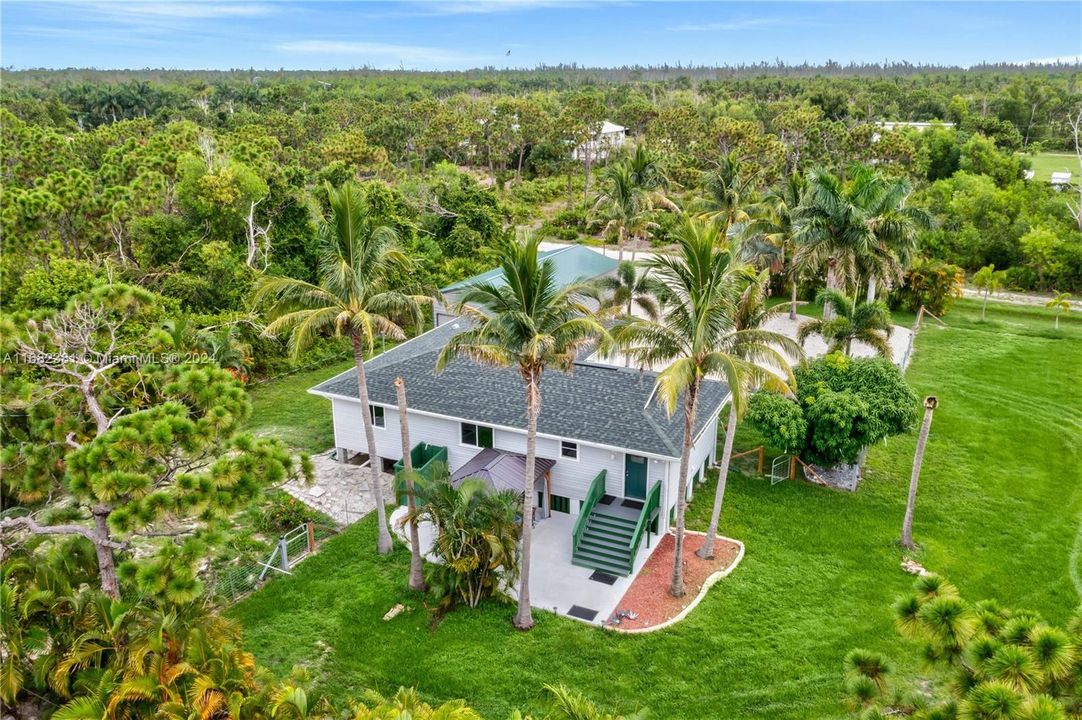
[[998, 512], [1044, 164], [283, 409]]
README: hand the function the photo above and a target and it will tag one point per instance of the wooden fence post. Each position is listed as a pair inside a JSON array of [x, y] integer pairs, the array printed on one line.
[[792, 467], [311, 536], [760, 459]]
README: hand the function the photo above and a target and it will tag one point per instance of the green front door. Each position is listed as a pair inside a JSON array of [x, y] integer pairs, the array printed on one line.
[[635, 477]]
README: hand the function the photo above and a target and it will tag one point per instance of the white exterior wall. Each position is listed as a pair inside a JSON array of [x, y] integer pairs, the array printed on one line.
[[570, 478]]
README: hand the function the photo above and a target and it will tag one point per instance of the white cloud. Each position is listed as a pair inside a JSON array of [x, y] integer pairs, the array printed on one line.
[[727, 25], [386, 54], [197, 10]]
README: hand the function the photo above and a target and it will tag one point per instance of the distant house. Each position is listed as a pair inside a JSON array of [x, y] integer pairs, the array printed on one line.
[[572, 263], [918, 126], [609, 138]]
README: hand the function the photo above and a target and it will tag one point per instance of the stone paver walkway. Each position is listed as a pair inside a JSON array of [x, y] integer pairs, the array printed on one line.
[[340, 490]]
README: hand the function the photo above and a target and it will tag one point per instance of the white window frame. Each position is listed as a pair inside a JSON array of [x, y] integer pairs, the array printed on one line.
[[564, 444], [381, 422]]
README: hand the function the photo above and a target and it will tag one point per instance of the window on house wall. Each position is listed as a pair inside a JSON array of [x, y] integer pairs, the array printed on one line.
[[569, 450], [476, 435], [378, 418]]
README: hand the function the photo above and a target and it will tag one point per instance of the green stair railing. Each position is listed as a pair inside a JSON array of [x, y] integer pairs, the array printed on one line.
[[595, 493], [653, 502], [424, 458]]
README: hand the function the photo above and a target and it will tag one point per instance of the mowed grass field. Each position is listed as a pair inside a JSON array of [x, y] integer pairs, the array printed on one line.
[[998, 513], [1044, 164]]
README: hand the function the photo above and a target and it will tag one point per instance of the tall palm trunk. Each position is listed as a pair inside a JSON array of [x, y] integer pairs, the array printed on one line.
[[707, 550], [870, 297], [984, 305], [383, 543], [417, 577], [524, 615], [792, 300], [930, 404], [832, 262], [691, 402]]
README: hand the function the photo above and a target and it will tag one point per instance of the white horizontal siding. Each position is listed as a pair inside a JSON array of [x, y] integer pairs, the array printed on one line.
[[570, 478]]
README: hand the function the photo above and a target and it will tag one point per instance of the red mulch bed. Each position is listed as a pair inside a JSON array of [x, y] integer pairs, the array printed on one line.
[[649, 597]]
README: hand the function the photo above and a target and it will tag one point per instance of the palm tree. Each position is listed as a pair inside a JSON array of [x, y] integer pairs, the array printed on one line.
[[477, 532], [867, 322], [930, 404], [358, 296], [569, 705], [693, 337], [1061, 302], [894, 227], [727, 191], [625, 205], [830, 226], [417, 578], [629, 288], [988, 280], [760, 350], [773, 221], [528, 321], [647, 170]]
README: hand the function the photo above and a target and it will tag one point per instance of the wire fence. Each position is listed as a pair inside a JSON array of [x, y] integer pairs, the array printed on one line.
[[242, 576]]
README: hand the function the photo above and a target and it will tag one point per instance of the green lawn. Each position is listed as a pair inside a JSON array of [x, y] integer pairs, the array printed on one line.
[[283, 409], [998, 513], [1044, 164]]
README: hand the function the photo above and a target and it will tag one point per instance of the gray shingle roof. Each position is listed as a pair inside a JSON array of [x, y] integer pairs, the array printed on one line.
[[594, 404]]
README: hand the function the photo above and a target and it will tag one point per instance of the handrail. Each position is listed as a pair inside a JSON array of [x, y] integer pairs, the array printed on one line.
[[596, 491], [653, 501]]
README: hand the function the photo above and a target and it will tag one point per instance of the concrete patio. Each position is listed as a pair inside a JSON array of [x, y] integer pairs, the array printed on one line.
[[555, 584]]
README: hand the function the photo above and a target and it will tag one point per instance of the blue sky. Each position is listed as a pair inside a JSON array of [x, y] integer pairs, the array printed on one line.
[[454, 34]]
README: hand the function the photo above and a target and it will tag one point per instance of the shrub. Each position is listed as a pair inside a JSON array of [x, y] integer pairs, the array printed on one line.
[[283, 513], [53, 286], [780, 420], [843, 405], [932, 283]]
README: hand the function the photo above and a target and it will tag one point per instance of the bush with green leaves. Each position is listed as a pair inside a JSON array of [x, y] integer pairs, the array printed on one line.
[[842, 405], [52, 286], [933, 284], [989, 662], [283, 512], [477, 536], [779, 420]]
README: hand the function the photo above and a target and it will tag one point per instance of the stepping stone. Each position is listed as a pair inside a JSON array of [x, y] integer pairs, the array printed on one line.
[[316, 491], [603, 577], [577, 611]]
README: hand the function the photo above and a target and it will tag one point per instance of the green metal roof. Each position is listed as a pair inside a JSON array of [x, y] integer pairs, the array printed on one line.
[[572, 263]]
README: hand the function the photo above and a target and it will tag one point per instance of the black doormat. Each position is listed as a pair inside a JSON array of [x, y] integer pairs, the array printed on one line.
[[633, 504], [603, 577], [577, 611], [607, 500]]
